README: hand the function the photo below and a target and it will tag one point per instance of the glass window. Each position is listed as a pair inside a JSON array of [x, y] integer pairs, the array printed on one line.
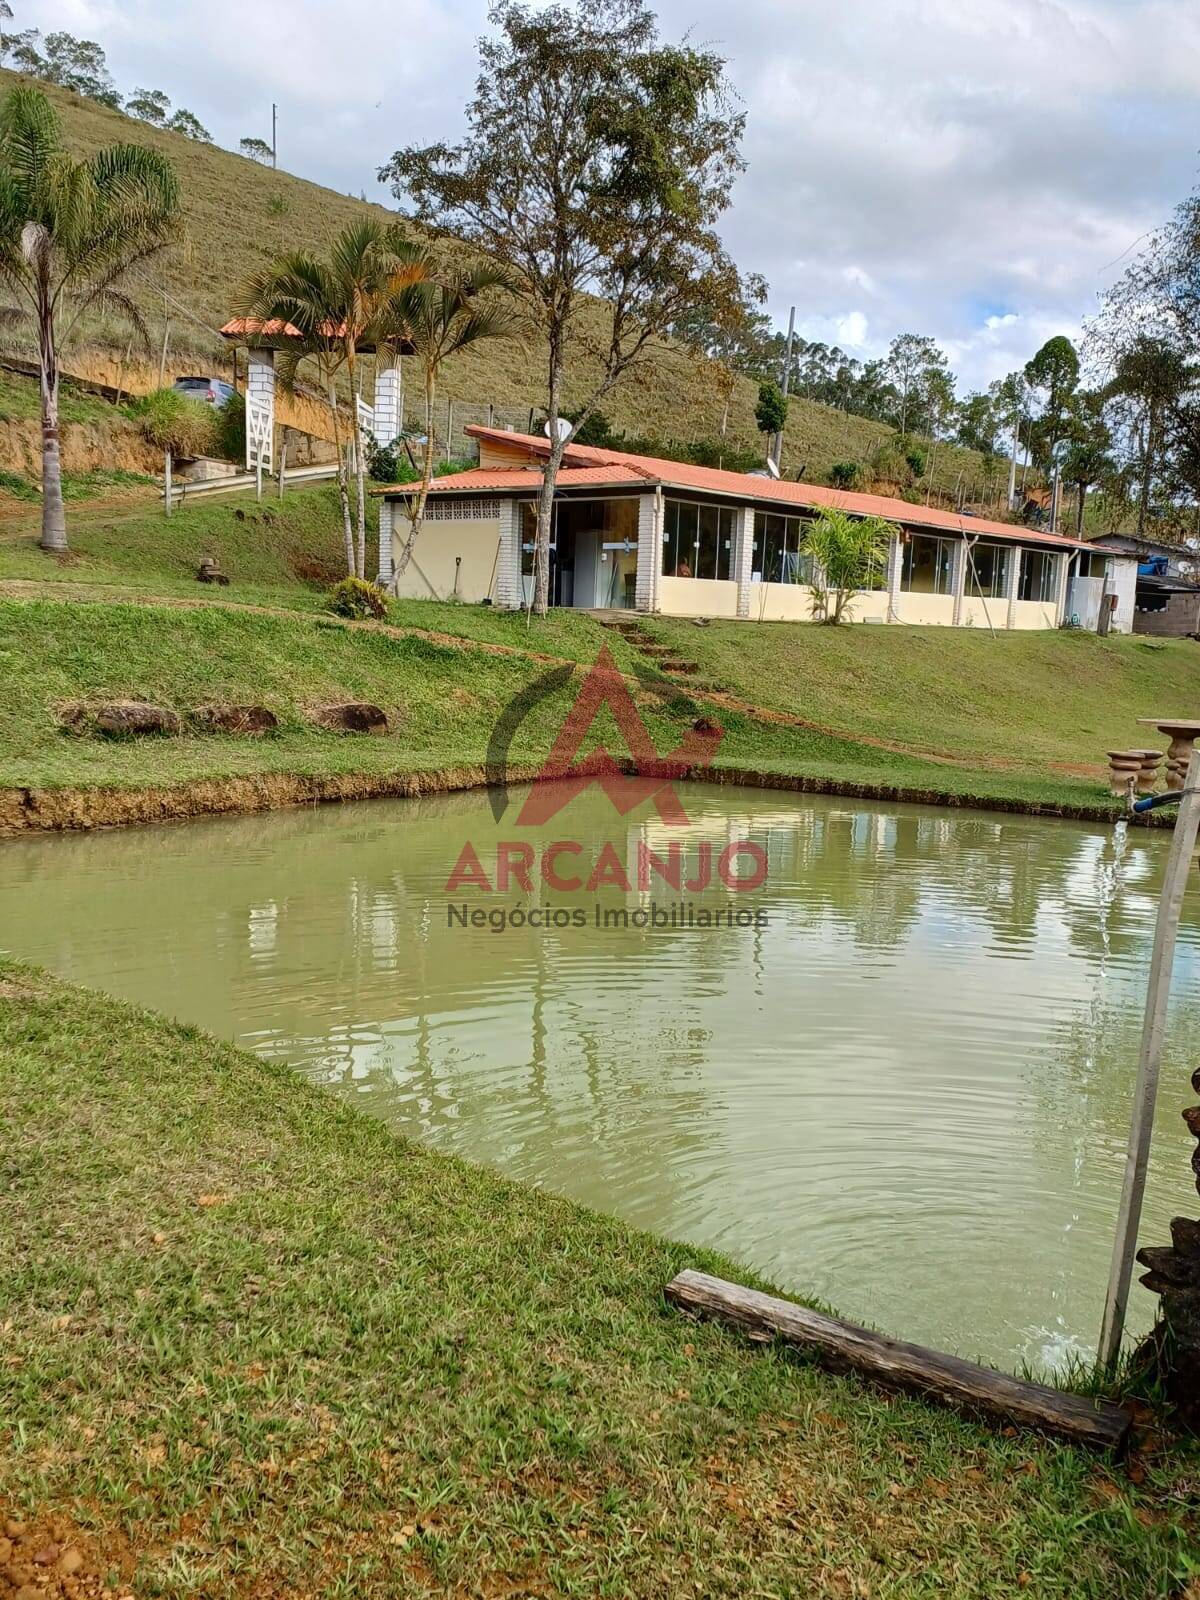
[[779, 549], [927, 565], [697, 540], [708, 524], [987, 571], [529, 534], [1037, 575]]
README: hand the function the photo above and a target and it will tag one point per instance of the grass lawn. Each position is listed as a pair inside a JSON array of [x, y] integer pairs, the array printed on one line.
[[255, 1345]]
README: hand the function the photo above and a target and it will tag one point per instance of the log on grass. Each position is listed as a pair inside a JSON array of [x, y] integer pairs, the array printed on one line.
[[844, 1347]]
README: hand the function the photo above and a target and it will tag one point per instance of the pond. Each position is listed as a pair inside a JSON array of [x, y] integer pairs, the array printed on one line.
[[902, 1087]]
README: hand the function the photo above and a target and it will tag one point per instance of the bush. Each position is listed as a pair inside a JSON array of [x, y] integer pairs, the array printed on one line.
[[771, 411], [389, 463], [229, 431], [355, 598], [844, 474], [173, 422], [915, 456]]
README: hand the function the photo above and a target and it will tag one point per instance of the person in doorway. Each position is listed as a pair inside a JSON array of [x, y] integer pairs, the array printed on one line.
[[684, 570]]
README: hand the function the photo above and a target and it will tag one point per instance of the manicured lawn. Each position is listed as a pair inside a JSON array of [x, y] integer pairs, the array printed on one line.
[[255, 1345]]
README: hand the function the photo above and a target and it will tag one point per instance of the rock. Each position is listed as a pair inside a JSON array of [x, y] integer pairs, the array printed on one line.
[[353, 717], [46, 1556], [235, 719], [29, 1591], [70, 1563], [14, 1528], [120, 719]]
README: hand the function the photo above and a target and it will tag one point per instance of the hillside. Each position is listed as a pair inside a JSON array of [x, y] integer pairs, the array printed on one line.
[[238, 214]]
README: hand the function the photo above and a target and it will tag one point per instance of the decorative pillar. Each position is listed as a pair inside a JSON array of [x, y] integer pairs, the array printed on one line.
[[649, 561], [1013, 586], [1060, 587], [260, 410], [388, 393], [387, 511], [895, 571], [958, 578], [510, 592], [742, 566]]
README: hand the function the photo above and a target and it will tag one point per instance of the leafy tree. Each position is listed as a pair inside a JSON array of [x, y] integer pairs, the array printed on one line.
[[597, 160], [69, 232], [844, 474], [190, 126], [6, 38], [439, 316], [911, 362], [850, 554], [979, 422], [257, 150], [1053, 375], [1011, 397], [72, 63], [1156, 375], [335, 306], [771, 411], [149, 105]]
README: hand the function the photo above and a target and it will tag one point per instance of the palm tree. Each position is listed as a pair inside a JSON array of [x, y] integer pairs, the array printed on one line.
[[333, 308], [69, 233], [437, 318], [849, 554]]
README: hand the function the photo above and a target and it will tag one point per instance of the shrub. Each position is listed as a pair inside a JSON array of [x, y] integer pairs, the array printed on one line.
[[771, 411], [844, 474], [173, 422], [915, 457], [389, 463], [354, 597], [229, 430]]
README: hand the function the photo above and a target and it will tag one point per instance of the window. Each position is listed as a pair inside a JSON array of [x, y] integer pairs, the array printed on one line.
[[529, 534], [987, 571], [779, 553], [697, 540], [1037, 575], [927, 565]]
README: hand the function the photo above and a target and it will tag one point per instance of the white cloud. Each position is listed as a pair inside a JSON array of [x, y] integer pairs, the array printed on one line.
[[976, 170]]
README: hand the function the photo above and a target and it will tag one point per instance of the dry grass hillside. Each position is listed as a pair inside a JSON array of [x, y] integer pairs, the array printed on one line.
[[238, 214]]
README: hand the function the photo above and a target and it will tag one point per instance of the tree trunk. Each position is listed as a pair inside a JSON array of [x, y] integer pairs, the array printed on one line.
[[360, 477], [1012, 465], [541, 548], [416, 516], [343, 491], [1147, 468], [54, 518]]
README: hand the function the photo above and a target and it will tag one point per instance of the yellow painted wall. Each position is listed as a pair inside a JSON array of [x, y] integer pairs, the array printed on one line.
[[430, 574], [697, 597], [502, 455], [925, 610], [1035, 614]]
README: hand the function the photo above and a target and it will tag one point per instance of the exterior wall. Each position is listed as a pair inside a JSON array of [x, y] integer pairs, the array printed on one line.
[[649, 552], [502, 455], [387, 517], [781, 602], [1083, 602], [388, 405], [925, 610], [1177, 618], [260, 387], [743, 560], [1034, 614], [440, 545], [510, 589], [697, 597], [977, 611]]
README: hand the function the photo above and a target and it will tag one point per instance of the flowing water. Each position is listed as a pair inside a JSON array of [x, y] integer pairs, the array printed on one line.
[[904, 1088]]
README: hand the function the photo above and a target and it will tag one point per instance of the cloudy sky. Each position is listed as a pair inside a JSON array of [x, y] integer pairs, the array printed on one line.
[[971, 169]]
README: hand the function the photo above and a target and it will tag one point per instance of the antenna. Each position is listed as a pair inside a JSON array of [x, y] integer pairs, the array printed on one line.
[[565, 428], [772, 467]]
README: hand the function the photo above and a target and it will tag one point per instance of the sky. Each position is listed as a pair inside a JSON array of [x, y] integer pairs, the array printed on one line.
[[977, 170]]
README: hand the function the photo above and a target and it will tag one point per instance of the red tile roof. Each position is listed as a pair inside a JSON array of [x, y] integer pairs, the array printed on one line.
[[740, 485], [239, 328], [482, 479]]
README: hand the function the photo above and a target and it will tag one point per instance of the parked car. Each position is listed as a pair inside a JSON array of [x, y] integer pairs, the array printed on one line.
[[209, 391]]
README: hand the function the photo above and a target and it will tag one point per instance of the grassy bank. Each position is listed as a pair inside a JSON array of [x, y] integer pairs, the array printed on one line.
[[255, 1345]]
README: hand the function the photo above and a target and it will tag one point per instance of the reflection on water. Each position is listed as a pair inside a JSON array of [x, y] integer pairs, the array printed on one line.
[[908, 1093]]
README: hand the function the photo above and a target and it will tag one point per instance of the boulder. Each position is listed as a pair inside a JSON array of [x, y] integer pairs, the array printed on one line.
[[355, 716], [250, 720], [120, 719]]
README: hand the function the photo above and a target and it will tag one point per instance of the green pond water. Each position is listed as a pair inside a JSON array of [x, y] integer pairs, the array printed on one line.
[[904, 1088]]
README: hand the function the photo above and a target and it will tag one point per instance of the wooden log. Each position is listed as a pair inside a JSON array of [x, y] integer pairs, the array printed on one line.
[[844, 1347]]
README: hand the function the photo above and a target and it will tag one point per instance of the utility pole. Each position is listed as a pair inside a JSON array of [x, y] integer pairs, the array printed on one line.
[[274, 134], [1012, 465], [777, 448]]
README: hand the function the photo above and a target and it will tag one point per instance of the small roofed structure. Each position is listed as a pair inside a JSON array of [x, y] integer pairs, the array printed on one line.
[[261, 339]]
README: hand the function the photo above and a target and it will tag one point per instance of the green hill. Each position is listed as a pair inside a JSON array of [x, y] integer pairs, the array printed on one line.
[[238, 214]]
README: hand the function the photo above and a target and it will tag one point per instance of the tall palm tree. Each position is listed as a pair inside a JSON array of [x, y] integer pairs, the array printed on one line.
[[69, 233], [333, 307], [439, 317]]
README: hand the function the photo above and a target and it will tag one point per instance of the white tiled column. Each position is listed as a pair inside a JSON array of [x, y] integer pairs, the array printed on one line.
[[742, 565], [895, 569], [958, 578], [387, 404], [260, 388], [387, 511], [649, 561], [509, 593], [1014, 584]]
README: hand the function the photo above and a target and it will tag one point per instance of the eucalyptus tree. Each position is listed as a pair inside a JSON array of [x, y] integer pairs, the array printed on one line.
[[597, 161], [70, 232], [333, 307], [1155, 375], [438, 316]]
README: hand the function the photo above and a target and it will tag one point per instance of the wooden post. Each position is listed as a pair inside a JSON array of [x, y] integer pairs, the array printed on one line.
[[1162, 956], [167, 482], [282, 461], [162, 360]]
